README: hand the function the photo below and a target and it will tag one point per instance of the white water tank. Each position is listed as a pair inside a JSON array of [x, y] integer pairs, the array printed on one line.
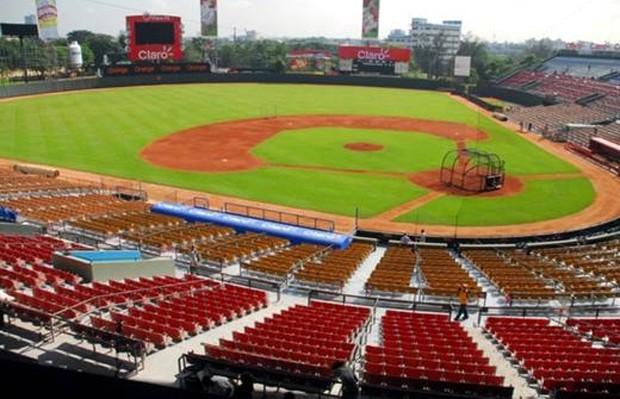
[[75, 55]]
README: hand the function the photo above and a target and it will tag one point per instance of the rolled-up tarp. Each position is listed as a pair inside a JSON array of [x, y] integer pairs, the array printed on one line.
[[36, 170], [295, 234]]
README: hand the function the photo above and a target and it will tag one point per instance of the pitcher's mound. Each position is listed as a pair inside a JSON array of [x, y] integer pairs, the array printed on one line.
[[363, 147]]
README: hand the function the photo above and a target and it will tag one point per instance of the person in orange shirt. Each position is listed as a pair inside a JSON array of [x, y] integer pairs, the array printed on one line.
[[463, 295]]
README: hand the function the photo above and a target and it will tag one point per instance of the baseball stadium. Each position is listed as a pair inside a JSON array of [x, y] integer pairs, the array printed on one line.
[[168, 227]]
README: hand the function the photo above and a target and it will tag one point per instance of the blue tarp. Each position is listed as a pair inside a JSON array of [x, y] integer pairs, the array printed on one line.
[[7, 214], [107, 256], [295, 234]]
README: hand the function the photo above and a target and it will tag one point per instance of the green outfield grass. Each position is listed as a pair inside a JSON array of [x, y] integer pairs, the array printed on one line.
[[104, 132]]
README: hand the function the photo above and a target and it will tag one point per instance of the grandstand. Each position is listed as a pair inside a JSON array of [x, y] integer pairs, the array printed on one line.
[[586, 67], [582, 101], [284, 311]]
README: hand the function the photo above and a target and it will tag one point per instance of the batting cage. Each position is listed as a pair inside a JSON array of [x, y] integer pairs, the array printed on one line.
[[472, 170]]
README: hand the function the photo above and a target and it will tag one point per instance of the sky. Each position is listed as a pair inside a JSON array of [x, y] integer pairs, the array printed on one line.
[[569, 20]]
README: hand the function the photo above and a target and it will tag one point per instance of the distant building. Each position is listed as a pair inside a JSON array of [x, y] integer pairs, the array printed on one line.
[[423, 33], [399, 36], [250, 36], [30, 19]]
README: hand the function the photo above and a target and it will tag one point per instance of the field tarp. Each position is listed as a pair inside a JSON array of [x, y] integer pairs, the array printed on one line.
[[295, 234]]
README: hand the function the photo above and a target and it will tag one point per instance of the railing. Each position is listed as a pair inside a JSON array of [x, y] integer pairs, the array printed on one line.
[[294, 219], [546, 311]]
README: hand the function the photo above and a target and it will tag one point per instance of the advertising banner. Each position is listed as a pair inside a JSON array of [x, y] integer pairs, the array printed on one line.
[[462, 65], [208, 17], [386, 61], [370, 19], [156, 69], [308, 60], [47, 17]]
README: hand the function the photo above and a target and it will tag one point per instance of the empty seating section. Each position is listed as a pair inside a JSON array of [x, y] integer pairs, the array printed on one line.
[[555, 356], [522, 78], [571, 79], [302, 339], [511, 278], [554, 117], [114, 224], [561, 86], [582, 135], [336, 267], [597, 260], [181, 236], [26, 261], [394, 272], [566, 279], [442, 276], [167, 310], [70, 207], [419, 347], [573, 88], [158, 310], [233, 248], [278, 264], [13, 183], [602, 329], [610, 104], [581, 67]]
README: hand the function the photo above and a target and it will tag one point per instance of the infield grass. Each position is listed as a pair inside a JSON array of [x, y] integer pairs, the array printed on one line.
[[325, 147]]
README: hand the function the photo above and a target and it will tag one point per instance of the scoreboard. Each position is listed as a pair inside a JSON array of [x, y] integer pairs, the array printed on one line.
[[154, 38], [384, 61]]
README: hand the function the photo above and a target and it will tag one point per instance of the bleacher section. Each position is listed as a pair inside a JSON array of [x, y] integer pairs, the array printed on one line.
[[13, 183], [555, 356], [278, 264], [580, 66], [589, 81], [597, 260], [156, 311], [514, 281], [294, 348], [442, 276], [394, 272], [335, 268], [604, 330], [428, 352], [417, 352], [547, 119], [61, 208]]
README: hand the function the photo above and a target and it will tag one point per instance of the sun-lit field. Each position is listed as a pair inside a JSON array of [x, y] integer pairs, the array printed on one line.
[[104, 132]]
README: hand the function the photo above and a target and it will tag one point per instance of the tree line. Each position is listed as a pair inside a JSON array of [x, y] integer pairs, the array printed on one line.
[[99, 49]]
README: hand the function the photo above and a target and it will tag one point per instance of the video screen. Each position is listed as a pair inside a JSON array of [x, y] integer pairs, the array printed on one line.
[[154, 33]]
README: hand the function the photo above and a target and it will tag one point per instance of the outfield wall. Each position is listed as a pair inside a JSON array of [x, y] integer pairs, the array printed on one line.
[[509, 95], [482, 90], [123, 81]]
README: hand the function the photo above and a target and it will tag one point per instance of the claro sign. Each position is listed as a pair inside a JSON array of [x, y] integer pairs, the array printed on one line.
[[151, 55], [374, 54], [154, 38]]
